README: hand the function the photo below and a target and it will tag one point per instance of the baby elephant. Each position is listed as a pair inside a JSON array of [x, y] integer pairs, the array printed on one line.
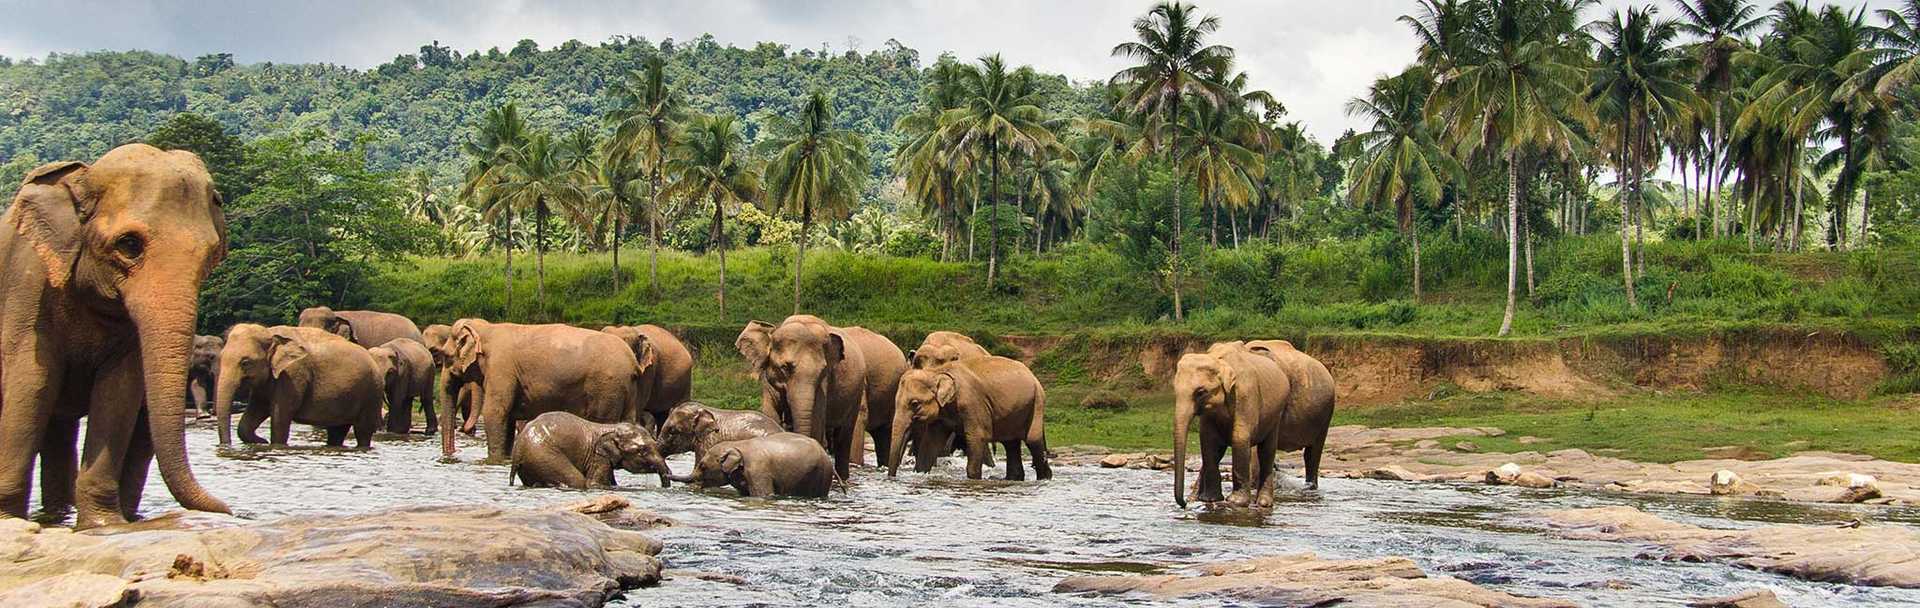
[[782, 464], [561, 449], [694, 427], [989, 399]]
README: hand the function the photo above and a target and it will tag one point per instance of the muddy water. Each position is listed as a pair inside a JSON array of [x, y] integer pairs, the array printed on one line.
[[942, 539]]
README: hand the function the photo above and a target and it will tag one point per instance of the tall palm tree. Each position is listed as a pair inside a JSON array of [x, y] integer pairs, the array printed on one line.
[[709, 162], [999, 115], [1217, 148], [1808, 66], [1640, 87], [1515, 93], [1176, 64], [813, 169], [496, 140], [645, 124], [1399, 162], [618, 185], [1896, 53], [542, 176], [931, 175], [1721, 27]]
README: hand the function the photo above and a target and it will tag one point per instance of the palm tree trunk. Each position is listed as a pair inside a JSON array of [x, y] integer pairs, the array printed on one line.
[[540, 256], [506, 309], [806, 223], [653, 234], [1713, 170], [975, 208], [618, 222], [1513, 245], [993, 213], [1414, 231], [1526, 228], [1866, 205], [1178, 314], [1213, 209], [1039, 224], [1233, 224], [720, 242]]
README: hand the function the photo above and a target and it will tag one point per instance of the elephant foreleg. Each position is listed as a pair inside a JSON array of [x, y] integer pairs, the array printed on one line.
[[250, 421], [1245, 481], [598, 474], [498, 402], [399, 410], [426, 408], [201, 392], [133, 469], [59, 462], [1211, 449], [114, 411], [1312, 454], [976, 446], [369, 421], [32, 385], [1014, 470], [1269, 479], [337, 436]]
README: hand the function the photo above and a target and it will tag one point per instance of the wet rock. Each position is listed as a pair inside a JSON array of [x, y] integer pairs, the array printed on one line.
[[1115, 461], [1306, 580], [1510, 474], [1883, 556], [1395, 473], [1466, 446], [1729, 483], [1835, 494], [417, 556], [1751, 598]]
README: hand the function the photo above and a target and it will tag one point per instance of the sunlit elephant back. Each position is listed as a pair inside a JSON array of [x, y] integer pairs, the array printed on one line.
[[517, 372], [368, 328]]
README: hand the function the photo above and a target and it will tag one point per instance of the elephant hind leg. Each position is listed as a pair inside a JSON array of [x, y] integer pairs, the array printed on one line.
[[1268, 475], [1037, 448], [337, 436], [59, 463], [1014, 470], [134, 467], [1312, 454], [399, 412]]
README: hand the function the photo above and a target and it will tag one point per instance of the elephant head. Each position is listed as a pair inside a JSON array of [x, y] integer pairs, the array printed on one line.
[[943, 347], [800, 359], [629, 446], [718, 468], [206, 353], [133, 237], [922, 397], [461, 356], [249, 360], [321, 317], [434, 337], [387, 364], [1201, 382], [754, 342], [685, 427]]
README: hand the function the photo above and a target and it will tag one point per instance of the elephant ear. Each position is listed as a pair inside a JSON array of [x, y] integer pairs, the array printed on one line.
[[732, 461], [944, 390], [607, 447], [54, 201], [468, 351], [287, 352], [836, 347], [643, 353], [1228, 375], [754, 341], [344, 329]]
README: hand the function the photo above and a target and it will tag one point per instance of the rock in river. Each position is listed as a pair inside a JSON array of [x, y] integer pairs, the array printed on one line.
[[414, 556], [1305, 580], [1884, 556]]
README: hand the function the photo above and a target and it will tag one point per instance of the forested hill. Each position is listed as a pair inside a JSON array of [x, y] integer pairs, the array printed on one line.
[[416, 110]]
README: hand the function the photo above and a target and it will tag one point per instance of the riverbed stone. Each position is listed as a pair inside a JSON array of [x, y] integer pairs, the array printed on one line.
[[1115, 461], [1729, 483], [1751, 598], [454, 556], [1306, 580], [1394, 473], [1510, 474], [1467, 446], [1870, 555]]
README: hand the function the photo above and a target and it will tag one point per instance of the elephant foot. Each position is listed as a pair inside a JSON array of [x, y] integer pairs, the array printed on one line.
[[1240, 498], [94, 518]]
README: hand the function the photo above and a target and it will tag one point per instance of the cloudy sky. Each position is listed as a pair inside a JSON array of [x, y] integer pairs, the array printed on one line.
[[1312, 54]]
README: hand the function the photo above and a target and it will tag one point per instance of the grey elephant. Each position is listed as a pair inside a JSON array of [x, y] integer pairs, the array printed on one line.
[[406, 368], [100, 275], [298, 375], [368, 328], [518, 372], [439, 339], [990, 399], [202, 372], [782, 464], [694, 427], [826, 382], [1241, 399], [561, 449], [670, 382]]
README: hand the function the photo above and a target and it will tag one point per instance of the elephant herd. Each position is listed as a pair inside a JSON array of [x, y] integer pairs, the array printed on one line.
[[100, 270]]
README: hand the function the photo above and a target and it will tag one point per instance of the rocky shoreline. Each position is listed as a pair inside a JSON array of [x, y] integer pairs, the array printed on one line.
[[1416, 454], [1879, 556], [1306, 580]]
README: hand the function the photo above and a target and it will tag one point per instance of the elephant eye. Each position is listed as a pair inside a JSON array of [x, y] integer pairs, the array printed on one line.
[[130, 246]]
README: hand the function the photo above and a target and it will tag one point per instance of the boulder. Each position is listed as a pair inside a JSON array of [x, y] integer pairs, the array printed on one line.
[[1729, 483], [1835, 494], [1426, 444], [1395, 473], [1306, 580], [1871, 555], [416, 556], [1466, 446], [1510, 474], [1115, 461], [1751, 598]]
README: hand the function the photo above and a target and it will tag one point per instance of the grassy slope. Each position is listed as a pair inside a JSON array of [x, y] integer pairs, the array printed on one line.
[[1294, 292]]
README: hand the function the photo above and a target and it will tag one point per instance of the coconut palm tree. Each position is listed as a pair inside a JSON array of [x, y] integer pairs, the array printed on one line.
[[645, 123], [1641, 87], [1175, 65], [542, 176], [709, 162], [1721, 27], [1399, 161], [999, 115], [496, 140], [813, 169], [1515, 93], [1217, 148], [931, 176], [618, 185]]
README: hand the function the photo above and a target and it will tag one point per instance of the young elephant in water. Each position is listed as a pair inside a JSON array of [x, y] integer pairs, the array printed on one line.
[[694, 427], [781, 464], [989, 399], [561, 449]]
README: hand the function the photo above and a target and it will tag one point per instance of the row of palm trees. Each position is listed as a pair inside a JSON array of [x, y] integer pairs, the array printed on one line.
[[1750, 121], [659, 157]]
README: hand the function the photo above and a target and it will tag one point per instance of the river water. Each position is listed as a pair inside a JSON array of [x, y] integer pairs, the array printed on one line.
[[940, 539]]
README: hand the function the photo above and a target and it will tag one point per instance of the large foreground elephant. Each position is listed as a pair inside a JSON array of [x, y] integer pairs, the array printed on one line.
[[518, 372], [368, 328], [990, 399], [822, 381], [1241, 399], [298, 375], [670, 381], [100, 273]]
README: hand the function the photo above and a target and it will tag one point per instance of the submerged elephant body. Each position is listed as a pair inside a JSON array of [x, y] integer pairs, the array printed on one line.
[[299, 375], [1243, 401], [829, 383], [561, 449], [694, 427], [518, 372], [782, 464], [670, 382], [100, 273], [368, 328], [989, 399], [406, 368]]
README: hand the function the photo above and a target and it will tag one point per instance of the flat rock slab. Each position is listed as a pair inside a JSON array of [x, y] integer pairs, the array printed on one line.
[[416, 556], [1880, 556], [1305, 580]]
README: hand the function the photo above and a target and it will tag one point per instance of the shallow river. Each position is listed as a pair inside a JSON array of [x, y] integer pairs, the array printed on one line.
[[941, 539]]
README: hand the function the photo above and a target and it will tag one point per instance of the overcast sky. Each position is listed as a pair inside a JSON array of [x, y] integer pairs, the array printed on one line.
[[1312, 54]]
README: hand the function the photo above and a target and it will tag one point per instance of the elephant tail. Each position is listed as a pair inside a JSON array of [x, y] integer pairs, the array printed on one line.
[[512, 470], [838, 481]]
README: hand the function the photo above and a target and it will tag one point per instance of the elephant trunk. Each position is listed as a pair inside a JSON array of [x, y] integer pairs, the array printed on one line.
[[225, 389], [163, 320], [450, 395], [1182, 416], [801, 397], [902, 421]]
